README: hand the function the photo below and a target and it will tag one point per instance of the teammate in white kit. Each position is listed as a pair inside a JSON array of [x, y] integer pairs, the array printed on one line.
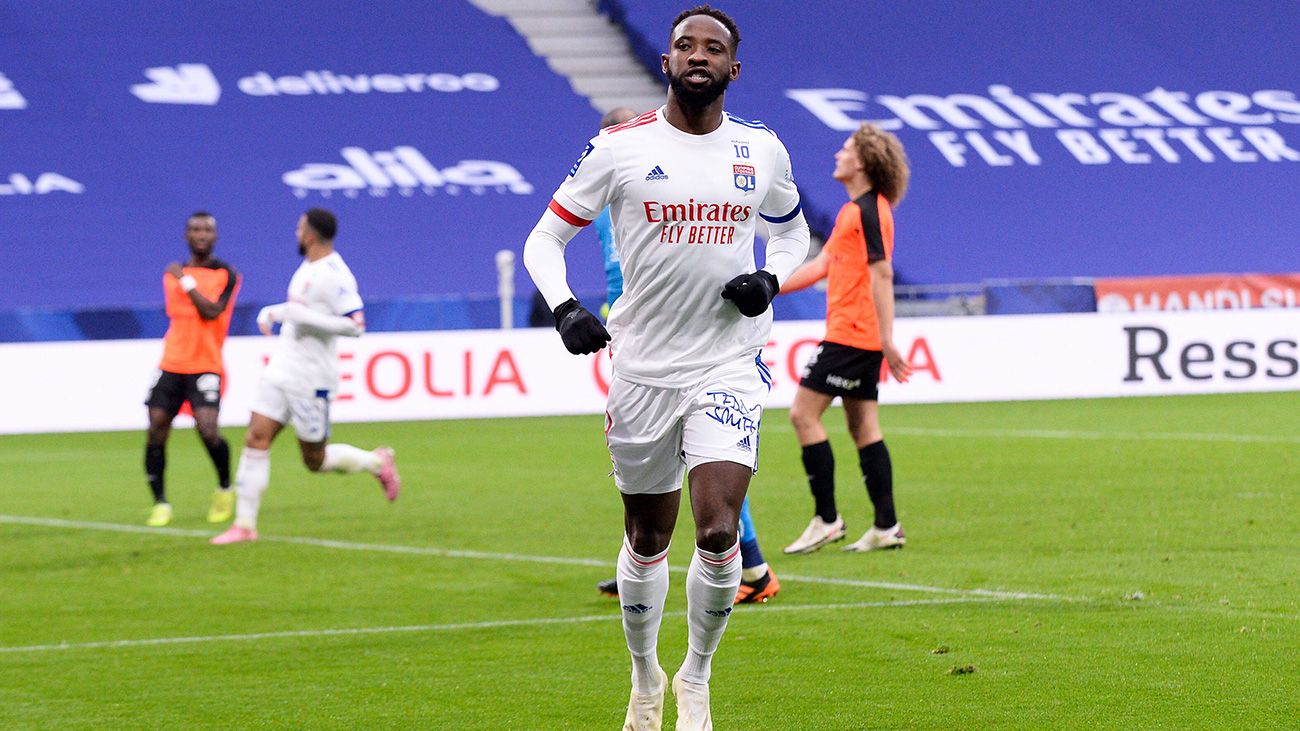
[[685, 185], [302, 376]]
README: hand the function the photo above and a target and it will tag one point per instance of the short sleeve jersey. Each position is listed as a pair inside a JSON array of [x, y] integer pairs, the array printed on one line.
[[192, 344], [684, 209], [863, 233], [306, 359]]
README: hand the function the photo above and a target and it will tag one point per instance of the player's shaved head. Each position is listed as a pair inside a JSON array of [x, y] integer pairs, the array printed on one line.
[[718, 15], [617, 115], [201, 233]]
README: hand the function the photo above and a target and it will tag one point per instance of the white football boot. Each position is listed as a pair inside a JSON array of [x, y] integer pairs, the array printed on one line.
[[645, 711], [877, 539], [817, 534], [692, 705]]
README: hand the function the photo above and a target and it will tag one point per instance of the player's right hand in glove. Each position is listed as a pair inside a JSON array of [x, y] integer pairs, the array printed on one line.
[[752, 293], [580, 330]]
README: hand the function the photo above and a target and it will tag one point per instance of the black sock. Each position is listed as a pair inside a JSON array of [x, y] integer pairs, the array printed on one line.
[[155, 462], [878, 473], [219, 451], [819, 465]]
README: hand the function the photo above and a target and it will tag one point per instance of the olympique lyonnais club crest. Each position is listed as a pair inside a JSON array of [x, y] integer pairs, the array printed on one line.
[[744, 175]]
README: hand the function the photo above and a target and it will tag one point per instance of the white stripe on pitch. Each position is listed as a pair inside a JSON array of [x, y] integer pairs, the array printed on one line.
[[484, 555], [1149, 436], [362, 631], [304, 541]]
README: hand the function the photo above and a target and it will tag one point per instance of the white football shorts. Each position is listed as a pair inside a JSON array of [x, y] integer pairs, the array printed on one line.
[[655, 435], [308, 411]]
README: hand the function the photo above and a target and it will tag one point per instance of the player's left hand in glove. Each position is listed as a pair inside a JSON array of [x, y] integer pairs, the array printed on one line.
[[752, 293], [580, 330]]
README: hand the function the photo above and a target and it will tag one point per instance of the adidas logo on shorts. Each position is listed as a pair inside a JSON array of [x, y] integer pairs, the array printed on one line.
[[657, 174]]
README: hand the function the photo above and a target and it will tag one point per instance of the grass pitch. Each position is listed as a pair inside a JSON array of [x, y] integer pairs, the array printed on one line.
[[1074, 564]]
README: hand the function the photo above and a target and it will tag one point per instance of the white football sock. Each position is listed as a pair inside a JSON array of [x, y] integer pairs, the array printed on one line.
[[347, 458], [754, 573], [711, 584], [251, 479], [642, 589]]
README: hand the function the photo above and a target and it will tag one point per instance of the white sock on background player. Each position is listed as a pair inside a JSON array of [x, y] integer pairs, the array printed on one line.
[[251, 479], [642, 590], [347, 458], [711, 584]]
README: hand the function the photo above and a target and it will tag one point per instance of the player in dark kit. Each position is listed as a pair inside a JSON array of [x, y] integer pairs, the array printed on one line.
[[200, 297]]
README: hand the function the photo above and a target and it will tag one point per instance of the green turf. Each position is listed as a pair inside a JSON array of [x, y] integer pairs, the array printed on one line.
[[1164, 534]]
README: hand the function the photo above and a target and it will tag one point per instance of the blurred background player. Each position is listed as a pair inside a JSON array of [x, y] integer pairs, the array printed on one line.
[[604, 226], [200, 296], [685, 184], [302, 376], [757, 582], [859, 333]]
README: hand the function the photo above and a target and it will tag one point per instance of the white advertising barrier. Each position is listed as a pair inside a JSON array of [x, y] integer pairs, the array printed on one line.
[[91, 386]]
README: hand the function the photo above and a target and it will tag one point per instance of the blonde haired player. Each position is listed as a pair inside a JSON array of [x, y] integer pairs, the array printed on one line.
[[302, 377], [858, 262]]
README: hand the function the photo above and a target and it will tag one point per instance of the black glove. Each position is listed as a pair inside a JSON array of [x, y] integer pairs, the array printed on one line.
[[752, 293], [580, 330]]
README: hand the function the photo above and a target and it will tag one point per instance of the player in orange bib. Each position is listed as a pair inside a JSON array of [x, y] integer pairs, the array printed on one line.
[[857, 262], [200, 297]]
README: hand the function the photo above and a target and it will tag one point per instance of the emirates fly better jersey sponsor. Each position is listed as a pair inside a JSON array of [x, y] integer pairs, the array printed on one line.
[[305, 359], [684, 209]]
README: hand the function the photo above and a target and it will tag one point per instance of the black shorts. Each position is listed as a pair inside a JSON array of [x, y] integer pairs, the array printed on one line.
[[839, 370], [202, 390]]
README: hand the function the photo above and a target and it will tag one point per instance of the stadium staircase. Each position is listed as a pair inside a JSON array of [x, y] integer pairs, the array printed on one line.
[[586, 47]]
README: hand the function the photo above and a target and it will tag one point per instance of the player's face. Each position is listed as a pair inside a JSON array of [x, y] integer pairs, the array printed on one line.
[[847, 162], [201, 235], [699, 62], [300, 234]]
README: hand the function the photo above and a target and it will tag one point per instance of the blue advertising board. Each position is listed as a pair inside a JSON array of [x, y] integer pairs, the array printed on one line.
[[1106, 138], [430, 129]]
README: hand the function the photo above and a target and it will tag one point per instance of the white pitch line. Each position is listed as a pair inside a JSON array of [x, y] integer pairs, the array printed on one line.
[[484, 555], [534, 622], [304, 541], [1096, 435], [991, 593]]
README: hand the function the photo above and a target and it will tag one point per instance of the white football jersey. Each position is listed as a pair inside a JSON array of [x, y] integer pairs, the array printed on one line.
[[684, 209], [306, 359]]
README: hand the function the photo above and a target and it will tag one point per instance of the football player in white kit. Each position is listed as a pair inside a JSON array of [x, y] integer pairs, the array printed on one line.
[[685, 185], [302, 376]]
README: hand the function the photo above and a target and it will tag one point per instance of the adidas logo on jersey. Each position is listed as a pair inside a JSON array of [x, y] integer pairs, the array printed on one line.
[[657, 174], [745, 445]]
